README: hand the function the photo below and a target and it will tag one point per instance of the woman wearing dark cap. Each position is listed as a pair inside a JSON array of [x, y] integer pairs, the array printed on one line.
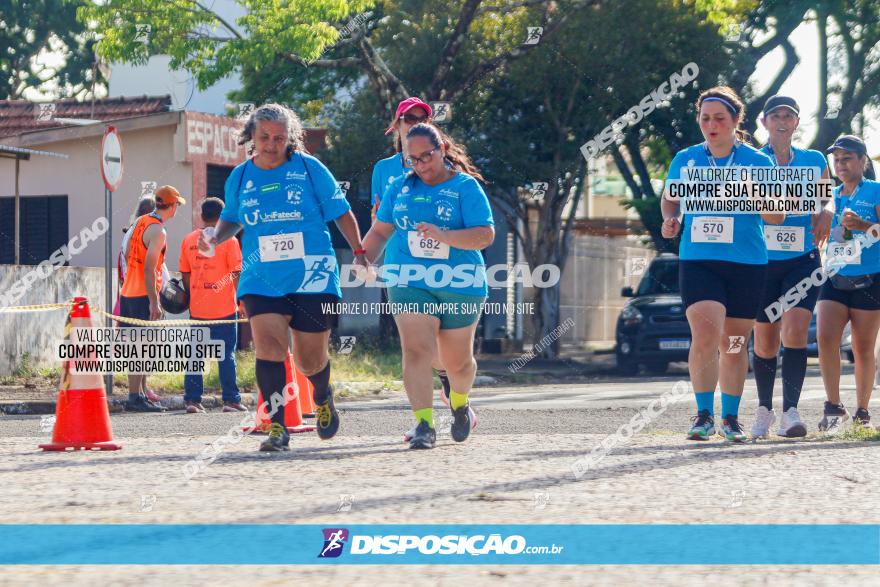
[[793, 255], [852, 291]]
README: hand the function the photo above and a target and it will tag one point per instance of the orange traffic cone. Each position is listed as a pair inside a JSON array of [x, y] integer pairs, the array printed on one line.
[[293, 417], [82, 418]]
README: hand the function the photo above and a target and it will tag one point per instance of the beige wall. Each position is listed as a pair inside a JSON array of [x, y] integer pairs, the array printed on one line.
[[38, 333], [148, 155], [595, 272], [608, 207]]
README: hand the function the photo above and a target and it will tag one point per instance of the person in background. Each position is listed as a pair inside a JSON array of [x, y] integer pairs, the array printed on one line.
[[212, 297], [145, 257], [145, 205], [793, 255]]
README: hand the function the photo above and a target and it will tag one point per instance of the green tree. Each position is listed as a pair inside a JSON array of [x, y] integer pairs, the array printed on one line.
[[30, 31]]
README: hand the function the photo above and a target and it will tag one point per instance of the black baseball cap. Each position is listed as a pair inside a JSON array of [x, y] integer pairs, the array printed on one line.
[[849, 143], [779, 101]]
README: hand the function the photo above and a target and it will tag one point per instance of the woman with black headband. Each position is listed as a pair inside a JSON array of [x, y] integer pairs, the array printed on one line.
[[852, 291], [723, 263], [793, 252]]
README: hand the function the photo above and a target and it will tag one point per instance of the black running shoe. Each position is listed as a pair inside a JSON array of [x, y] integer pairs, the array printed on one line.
[[862, 418], [834, 416], [142, 404], [424, 436], [461, 423], [279, 439], [326, 417]]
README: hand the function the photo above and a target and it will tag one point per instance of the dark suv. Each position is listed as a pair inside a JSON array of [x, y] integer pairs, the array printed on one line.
[[652, 329]]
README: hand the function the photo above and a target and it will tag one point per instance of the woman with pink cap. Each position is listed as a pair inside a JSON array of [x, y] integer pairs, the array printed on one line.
[[410, 112]]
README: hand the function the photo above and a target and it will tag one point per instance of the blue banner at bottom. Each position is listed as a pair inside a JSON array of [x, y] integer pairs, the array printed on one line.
[[242, 544]]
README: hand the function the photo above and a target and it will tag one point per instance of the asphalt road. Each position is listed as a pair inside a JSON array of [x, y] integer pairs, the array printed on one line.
[[599, 407]]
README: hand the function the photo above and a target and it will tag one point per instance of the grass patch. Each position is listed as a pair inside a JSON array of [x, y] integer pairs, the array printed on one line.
[[367, 363], [860, 433], [364, 364]]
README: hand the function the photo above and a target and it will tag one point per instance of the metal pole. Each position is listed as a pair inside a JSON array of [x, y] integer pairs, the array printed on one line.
[[17, 214], [108, 275]]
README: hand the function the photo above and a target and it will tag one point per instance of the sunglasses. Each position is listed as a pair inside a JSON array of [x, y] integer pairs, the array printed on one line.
[[413, 119], [411, 160]]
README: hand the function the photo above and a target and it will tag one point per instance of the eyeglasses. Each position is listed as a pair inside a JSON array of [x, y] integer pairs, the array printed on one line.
[[413, 119], [411, 160]]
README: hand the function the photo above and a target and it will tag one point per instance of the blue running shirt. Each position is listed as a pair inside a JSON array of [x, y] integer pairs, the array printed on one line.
[[800, 222], [457, 203], [748, 244], [286, 246], [863, 203]]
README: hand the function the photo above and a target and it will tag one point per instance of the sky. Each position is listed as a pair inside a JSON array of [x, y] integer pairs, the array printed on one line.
[[803, 86]]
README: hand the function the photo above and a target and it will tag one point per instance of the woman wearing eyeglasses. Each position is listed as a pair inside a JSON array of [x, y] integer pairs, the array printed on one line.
[[432, 224], [409, 113]]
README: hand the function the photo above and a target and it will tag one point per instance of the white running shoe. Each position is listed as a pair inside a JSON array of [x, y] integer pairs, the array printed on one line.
[[764, 419], [790, 425], [412, 432]]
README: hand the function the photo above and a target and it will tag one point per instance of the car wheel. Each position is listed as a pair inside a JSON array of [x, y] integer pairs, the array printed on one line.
[[657, 367], [626, 366]]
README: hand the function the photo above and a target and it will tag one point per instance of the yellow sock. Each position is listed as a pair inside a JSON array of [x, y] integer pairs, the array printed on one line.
[[425, 415], [456, 400]]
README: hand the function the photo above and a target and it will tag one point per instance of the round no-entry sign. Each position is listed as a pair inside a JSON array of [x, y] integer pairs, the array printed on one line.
[[111, 159]]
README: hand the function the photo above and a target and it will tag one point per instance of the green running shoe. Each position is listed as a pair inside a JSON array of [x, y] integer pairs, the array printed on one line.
[[732, 430], [703, 426]]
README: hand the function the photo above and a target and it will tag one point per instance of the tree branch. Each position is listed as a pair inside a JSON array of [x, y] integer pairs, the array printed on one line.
[[626, 172], [324, 63], [453, 45], [387, 85], [493, 63], [631, 142], [219, 19]]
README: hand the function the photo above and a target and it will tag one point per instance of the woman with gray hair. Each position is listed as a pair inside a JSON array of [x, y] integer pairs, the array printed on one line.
[[283, 198]]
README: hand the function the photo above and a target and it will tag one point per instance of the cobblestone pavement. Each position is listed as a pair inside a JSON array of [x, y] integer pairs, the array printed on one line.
[[516, 468]]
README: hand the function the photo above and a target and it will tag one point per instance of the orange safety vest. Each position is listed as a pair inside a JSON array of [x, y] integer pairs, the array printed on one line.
[[134, 285]]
